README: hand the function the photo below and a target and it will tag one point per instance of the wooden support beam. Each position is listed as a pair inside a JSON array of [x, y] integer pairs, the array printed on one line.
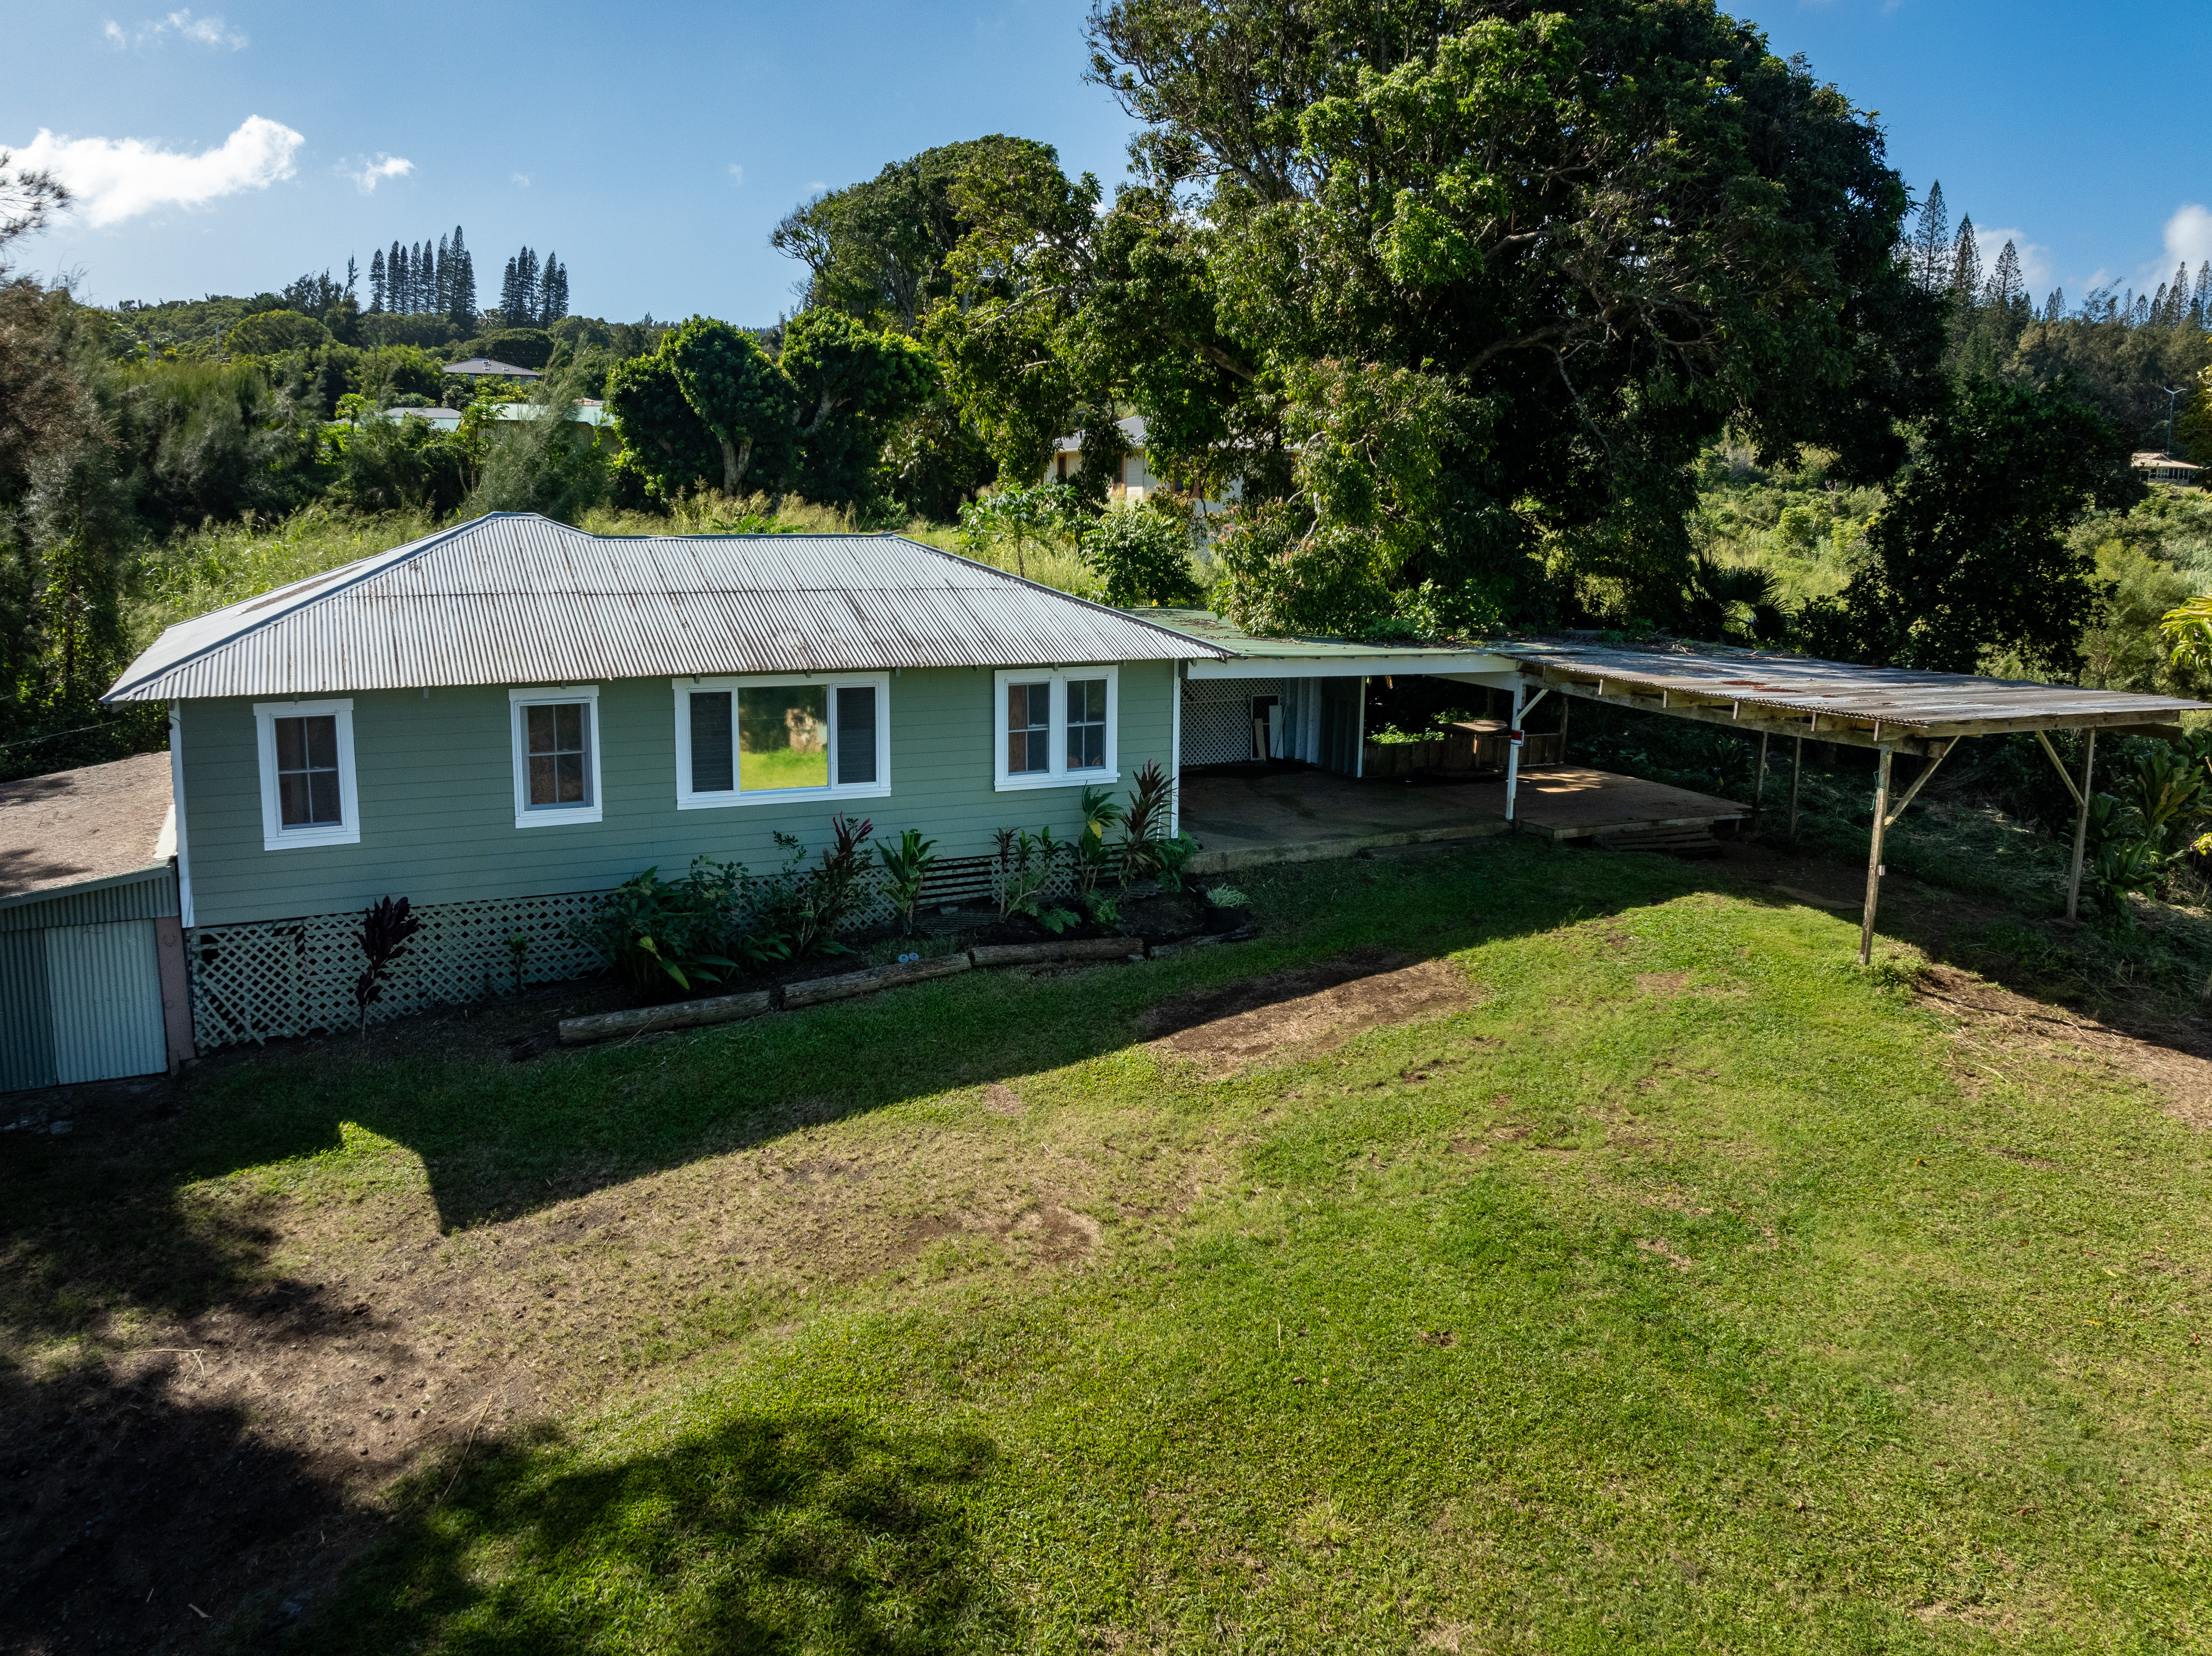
[[1759, 783], [1874, 859], [2051, 754], [1797, 766], [2081, 825], [1926, 771]]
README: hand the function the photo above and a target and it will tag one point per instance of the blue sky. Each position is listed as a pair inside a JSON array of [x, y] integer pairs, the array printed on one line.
[[653, 146]]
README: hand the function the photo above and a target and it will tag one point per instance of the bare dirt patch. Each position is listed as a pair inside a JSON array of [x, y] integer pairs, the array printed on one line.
[[1309, 1008], [1001, 1099], [2175, 1060], [1662, 983]]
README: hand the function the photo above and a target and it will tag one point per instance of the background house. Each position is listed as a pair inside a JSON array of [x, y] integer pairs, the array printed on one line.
[[1136, 480]]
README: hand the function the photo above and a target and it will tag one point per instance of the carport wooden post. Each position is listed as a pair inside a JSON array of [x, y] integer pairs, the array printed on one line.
[[1759, 784], [1513, 753], [1797, 765], [2081, 825], [1873, 857]]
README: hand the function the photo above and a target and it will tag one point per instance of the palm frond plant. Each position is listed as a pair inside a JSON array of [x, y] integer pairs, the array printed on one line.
[[906, 867]]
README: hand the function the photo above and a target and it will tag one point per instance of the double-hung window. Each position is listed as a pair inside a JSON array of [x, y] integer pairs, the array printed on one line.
[[556, 755], [1055, 726], [308, 793], [758, 741]]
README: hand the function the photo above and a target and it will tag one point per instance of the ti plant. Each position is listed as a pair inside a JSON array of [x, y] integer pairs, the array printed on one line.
[[385, 930], [906, 866], [1148, 850]]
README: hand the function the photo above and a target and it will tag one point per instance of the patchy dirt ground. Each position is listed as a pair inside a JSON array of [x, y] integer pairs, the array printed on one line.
[[163, 1474], [1306, 1008]]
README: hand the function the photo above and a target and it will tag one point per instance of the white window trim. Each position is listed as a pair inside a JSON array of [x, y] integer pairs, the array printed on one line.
[[526, 814], [738, 798], [275, 836], [1059, 776]]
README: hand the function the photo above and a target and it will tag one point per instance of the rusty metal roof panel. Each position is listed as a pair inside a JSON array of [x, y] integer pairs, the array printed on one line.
[[1908, 698], [514, 598]]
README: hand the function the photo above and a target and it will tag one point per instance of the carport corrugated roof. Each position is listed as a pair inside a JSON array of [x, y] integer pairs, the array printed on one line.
[[514, 598]]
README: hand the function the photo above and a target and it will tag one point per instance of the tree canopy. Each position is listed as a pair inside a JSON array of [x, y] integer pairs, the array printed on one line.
[[1454, 292]]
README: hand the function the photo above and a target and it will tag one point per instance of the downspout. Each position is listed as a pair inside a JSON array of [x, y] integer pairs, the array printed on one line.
[[177, 805], [1175, 750]]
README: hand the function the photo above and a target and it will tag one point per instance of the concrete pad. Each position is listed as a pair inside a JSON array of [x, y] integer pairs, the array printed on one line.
[[1241, 816]]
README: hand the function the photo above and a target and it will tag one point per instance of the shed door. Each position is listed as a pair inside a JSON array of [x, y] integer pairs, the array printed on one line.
[[104, 984]]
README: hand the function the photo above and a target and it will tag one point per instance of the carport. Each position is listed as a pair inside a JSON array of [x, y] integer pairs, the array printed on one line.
[[1893, 710], [1303, 699]]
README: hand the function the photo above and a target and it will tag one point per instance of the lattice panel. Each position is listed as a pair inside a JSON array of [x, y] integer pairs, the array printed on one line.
[[1217, 718], [293, 977]]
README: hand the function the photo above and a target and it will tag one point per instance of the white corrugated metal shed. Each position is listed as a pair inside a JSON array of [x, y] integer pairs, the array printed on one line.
[[514, 598]]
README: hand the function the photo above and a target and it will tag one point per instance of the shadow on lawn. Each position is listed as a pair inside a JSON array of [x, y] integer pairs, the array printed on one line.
[[805, 1530]]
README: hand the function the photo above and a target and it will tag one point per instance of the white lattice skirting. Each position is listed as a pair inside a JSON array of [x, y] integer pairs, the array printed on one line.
[[276, 977], [271, 978]]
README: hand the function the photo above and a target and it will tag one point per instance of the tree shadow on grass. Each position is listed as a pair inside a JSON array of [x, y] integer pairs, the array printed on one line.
[[806, 1530]]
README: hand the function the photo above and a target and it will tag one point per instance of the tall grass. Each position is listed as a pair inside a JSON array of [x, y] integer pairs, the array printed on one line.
[[222, 564]]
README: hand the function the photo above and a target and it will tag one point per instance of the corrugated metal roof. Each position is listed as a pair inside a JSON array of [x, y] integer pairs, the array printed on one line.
[[514, 598], [1909, 699], [1217, 630]]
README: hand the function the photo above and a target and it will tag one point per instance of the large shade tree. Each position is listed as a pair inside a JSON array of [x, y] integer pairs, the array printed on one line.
[[1454, 291]]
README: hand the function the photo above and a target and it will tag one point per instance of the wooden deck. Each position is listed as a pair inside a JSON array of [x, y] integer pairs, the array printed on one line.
[[1243, 817]]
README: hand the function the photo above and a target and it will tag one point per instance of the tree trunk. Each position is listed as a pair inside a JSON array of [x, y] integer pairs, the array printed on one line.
[[735, 457]]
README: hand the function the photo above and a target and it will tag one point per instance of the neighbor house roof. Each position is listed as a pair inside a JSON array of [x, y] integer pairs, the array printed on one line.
[[2150, 460], [1133, 428], [91, 823], [514, 598], [488, 368]]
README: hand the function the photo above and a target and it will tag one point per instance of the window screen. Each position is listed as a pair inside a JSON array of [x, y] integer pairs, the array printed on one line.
[[856, 734], [1029, 728], [1086, 724], [713, 762], [783, 737], [307, 771], [558, 734]]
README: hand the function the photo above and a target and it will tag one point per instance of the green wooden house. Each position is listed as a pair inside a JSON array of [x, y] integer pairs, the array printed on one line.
[[505, 720]]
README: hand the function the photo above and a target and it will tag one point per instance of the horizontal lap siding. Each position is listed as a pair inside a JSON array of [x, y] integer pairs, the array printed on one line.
[[437, 797]]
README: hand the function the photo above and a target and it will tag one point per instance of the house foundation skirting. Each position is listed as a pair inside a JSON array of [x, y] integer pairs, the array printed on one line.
[[268, 980]]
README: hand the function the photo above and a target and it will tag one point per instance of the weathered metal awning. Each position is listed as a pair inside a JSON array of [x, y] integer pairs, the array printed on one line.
[[1902, 708]]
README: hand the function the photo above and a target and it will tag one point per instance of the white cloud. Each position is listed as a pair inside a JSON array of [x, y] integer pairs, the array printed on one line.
[[370, 174], [116, 178], [207, 31], [811, 188], [737, 174], [523, 179], [2189, 233], [2034, 257]]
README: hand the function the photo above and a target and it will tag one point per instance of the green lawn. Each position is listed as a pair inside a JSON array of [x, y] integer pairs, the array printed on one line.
[[1690, 1290]]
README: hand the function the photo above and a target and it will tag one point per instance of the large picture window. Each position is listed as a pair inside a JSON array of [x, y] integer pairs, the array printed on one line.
[[747, 742], [308, 795], [1056, 726], [556, 755]]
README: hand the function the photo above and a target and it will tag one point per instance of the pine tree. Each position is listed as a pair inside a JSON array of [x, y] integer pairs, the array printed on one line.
[[376, 280], [1965, 260], [461, 302], [552, 292], [353, 273], [2005, 283], [506, 295], [395, 280], [526, 288], [1930, 243], [2055, 306], [2177, 297], [2200, 299]]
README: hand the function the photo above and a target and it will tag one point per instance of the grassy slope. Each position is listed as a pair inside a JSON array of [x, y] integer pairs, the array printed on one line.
[[1757, 1318]]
